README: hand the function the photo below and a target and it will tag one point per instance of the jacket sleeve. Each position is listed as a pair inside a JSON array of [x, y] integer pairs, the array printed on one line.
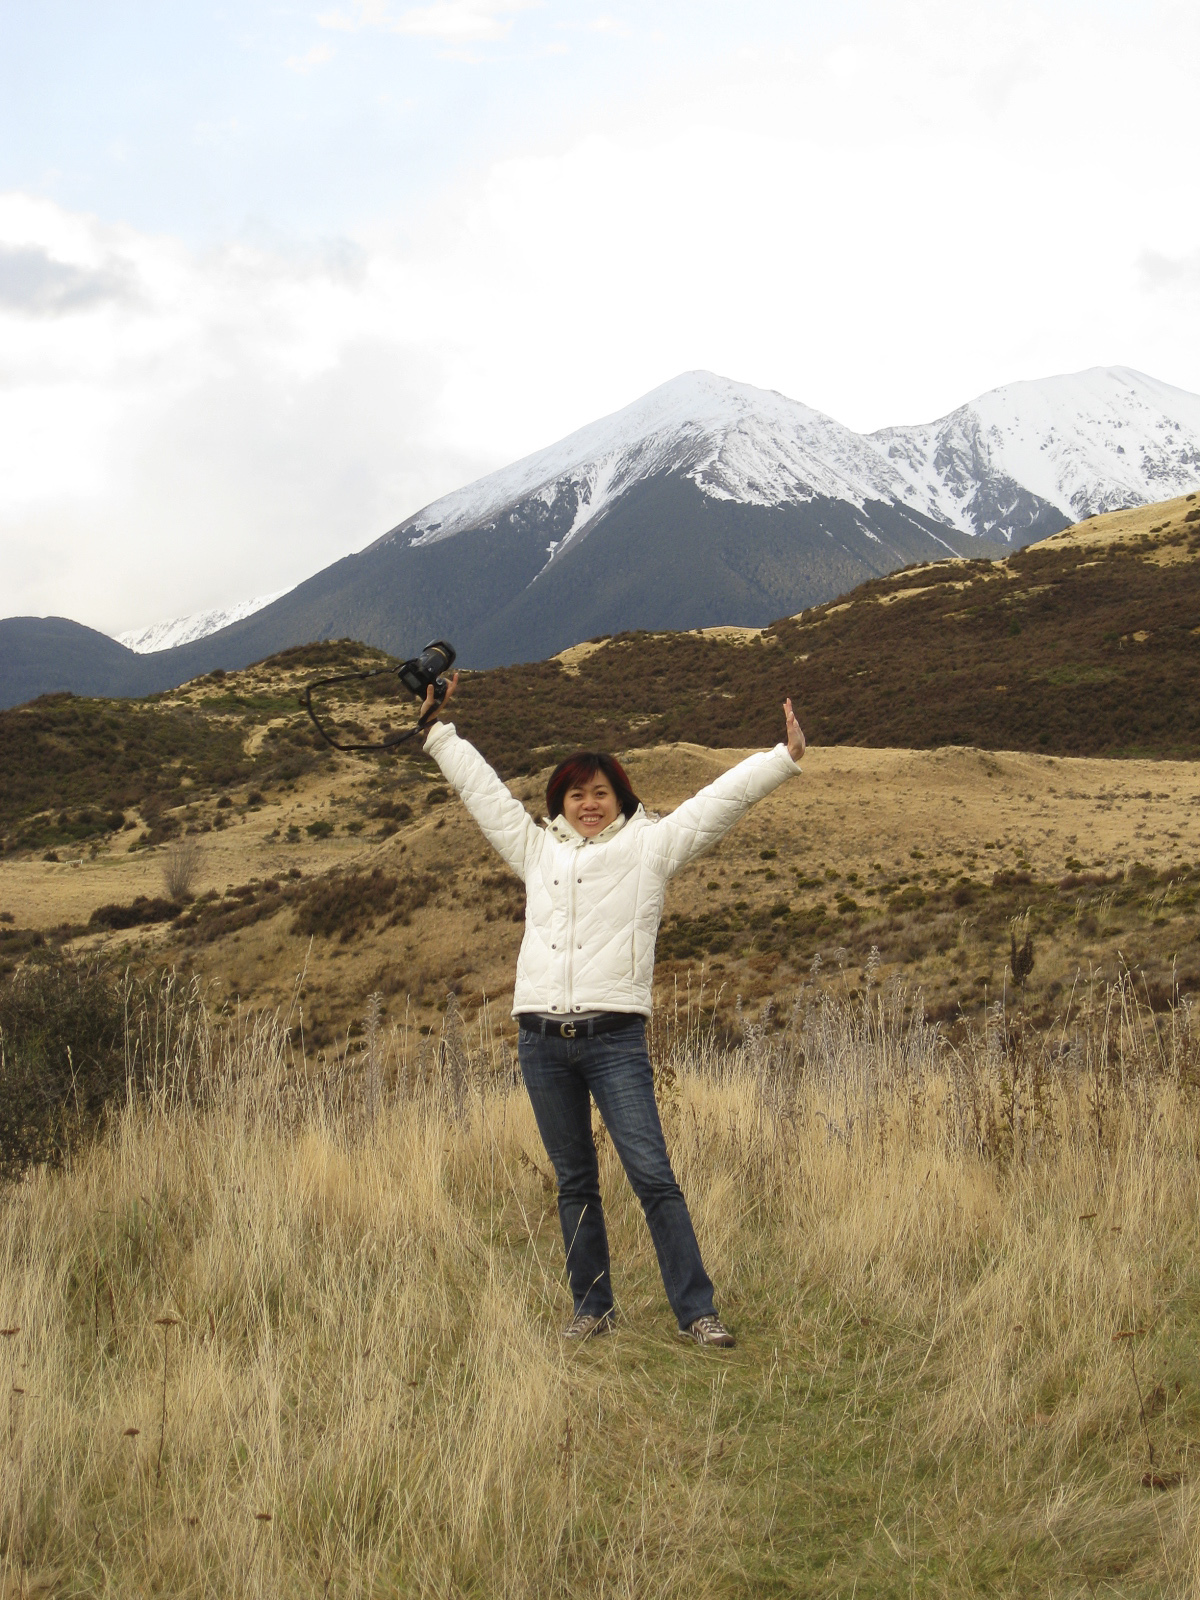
[[708, 815], [505, 823]]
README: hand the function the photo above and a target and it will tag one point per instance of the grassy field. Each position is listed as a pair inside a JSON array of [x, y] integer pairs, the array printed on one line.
[[365, 876], [932, 858], [292, 1328], [290, 1324]]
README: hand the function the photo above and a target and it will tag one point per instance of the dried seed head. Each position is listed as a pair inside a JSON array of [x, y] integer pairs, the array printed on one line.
[[166, 1322], [131, 1433], [262, 1516], [7, 1333]]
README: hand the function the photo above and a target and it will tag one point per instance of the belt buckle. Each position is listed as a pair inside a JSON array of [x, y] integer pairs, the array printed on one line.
[[567, 1030]]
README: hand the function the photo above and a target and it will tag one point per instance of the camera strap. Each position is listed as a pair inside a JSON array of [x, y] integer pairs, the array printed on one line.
[[392, 739]]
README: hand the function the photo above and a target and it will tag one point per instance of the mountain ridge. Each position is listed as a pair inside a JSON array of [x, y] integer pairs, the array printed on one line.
[[705, 502], [760, 447], [1015, 464]]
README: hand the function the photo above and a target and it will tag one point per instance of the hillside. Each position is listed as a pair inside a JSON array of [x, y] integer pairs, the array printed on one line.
[[365, 876], [1084, 644]]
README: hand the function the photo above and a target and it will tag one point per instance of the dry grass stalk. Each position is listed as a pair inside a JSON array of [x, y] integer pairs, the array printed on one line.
[[928, 1254], [181, 868]]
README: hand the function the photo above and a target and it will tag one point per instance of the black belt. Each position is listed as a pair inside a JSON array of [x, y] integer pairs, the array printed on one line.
[[581, 1027]]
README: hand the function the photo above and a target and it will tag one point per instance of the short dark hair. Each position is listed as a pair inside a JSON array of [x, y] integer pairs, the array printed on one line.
[[581, 767]]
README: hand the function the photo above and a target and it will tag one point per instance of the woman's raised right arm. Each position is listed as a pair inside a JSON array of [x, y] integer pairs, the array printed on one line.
[[504, 821]]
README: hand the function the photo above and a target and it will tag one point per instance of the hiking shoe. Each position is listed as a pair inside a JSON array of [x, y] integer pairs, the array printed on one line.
[[709, 1331], [582, 1326]]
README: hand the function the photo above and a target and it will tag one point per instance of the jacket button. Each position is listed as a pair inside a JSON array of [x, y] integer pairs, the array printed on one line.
[[578, 880], [554, 947], [556, 883]]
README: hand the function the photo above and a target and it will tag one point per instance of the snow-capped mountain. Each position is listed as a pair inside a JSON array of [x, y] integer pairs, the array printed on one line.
[[733, 441], [1085, 442], [183, 630], [704, 502], [1015, 464]]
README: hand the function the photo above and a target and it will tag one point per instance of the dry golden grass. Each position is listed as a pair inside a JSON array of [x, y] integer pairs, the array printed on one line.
[[876, 814], [328, 1302], [1131, 526]]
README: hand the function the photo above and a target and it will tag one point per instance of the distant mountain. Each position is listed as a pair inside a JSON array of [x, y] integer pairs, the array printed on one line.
[[710, 502], [734, 443], [183, 630], [1089, 442], [44, 655]]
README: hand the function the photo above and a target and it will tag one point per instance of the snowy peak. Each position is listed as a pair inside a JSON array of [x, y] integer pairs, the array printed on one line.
[[183, 630], [1084, 442], [1017, 463], [734, 441]]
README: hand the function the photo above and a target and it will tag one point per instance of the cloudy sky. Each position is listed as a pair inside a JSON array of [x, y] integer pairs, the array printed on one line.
[[274, 275]]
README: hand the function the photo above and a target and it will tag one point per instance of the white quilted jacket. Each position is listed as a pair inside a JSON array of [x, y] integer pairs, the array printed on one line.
[[592, 906]]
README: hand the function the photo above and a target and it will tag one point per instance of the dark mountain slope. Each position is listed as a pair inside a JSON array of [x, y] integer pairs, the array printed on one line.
[[665, 555], [43, 655], [668, 556], [1086, 644]]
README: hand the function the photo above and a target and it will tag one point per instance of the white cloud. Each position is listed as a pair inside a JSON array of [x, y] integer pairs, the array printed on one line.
[[317, 56], [226, 424], [882, 228], [453, 21]]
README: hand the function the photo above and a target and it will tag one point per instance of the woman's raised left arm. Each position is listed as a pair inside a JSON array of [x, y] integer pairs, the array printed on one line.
[[699, 822]]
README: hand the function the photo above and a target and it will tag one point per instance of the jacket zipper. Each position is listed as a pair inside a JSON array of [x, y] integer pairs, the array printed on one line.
[[571, 935]]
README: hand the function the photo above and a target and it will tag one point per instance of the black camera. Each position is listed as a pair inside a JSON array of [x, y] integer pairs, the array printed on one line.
[[426, 669], [417, 676]]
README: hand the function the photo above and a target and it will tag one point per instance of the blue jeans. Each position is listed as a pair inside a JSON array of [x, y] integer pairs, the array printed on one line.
[[614, 1068]]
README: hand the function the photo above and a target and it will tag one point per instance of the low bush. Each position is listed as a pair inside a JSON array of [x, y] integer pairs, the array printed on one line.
[[344, 905], [62, 1058], [136, 914], [392, 810], [16, 944]]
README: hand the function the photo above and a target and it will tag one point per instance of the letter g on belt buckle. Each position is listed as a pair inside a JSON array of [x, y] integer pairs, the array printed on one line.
[[567, 1030]]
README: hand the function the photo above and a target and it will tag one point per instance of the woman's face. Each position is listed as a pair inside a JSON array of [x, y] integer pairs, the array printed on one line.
[[590, 806]]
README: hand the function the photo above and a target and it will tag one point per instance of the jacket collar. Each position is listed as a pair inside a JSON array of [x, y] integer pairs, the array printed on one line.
[[566, 834]]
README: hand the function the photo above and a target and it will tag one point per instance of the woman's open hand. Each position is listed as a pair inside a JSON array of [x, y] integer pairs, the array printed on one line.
[[795, 735], [430, 709]]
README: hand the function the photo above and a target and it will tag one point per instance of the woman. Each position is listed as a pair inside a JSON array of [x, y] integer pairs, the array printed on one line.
[[594, 879]]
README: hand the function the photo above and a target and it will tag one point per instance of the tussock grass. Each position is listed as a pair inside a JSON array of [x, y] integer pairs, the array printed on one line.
[[930, 1256]]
